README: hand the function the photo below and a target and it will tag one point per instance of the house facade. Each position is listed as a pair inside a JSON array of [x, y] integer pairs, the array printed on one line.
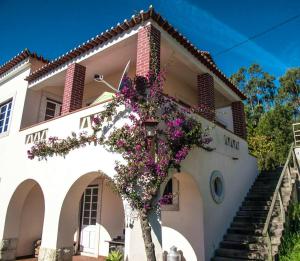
[[68, 203]]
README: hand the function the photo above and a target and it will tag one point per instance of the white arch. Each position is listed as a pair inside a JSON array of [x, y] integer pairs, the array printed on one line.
[[184, 228], [25, 216], [112, 212]]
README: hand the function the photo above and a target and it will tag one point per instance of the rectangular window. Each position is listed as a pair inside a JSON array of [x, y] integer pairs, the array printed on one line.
[[53, 109], [5, 112]]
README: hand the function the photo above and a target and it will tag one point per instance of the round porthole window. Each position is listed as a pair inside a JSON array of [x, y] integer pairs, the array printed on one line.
[[217, 186]]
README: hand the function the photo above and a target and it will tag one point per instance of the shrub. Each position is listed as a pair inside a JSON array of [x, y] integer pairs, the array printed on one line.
[[115, 256]]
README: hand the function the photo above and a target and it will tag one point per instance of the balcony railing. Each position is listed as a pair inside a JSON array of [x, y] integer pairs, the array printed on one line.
[[296, 131], [36, 136], [224, 141]]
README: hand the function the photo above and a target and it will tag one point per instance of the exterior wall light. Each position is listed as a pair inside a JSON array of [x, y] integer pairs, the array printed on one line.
[[150, 127]]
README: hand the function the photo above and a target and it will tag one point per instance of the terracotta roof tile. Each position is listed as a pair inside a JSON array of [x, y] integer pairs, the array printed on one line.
[[203, 56], [19, 58]]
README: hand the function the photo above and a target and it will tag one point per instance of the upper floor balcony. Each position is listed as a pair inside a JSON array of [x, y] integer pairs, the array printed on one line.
[[71, 87], [223, 142]]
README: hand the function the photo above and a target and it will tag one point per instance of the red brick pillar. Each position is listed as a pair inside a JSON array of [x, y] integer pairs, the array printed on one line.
[[148, 50], [74, 86], [206, 96], [239, 119]]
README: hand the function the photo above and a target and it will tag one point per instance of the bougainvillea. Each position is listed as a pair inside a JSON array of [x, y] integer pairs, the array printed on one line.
[[147, 159]]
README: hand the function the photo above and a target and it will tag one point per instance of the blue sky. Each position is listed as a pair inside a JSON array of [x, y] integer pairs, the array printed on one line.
[[52, 27]]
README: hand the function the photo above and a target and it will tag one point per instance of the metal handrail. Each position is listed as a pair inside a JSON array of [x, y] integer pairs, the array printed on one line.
[[296, 133], [297, 164], [275, 194]]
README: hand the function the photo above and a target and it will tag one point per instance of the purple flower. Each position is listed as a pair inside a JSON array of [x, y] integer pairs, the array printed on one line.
[[52, 139], [166, 199], [175, 123], [96, 120], [30, 155], [138, 147], [177, 134], [120, 143], [181, 154]]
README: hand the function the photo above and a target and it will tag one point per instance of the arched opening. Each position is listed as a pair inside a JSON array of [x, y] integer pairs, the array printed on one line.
[[92, 217], [24, 219], [182, 220]]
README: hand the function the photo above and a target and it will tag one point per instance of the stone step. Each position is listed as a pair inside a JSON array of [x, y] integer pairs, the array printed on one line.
[[254, 208], [265, 182], [241, 245], [256, 203], [256, 255], [244, 238], [251, 219], [252, 213], [221, 258], [267, 178], [245, 230], [254, 225], [254, 197], [263, 192]]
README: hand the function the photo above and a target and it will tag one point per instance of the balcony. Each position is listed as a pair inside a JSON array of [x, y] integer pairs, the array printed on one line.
[[224, 141]]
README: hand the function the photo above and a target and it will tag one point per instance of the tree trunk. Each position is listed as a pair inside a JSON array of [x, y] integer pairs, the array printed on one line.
[[146, 231]]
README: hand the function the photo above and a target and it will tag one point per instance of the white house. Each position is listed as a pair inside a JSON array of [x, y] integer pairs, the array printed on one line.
[[67, 202]]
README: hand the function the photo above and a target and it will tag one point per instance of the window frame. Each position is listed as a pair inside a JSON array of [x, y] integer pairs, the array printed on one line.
[[57, 110], [175, 201], [217, 194], [2, 104], [45, 97]]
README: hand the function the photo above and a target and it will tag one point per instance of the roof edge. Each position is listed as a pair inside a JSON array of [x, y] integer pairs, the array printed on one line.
[[203, 56], [19, 58]]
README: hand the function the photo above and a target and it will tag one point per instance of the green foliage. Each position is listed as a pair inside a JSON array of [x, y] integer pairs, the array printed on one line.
[[259, 88], [269, 113], [290, 246], [294, 218], [276, 125], [289, 90], [263, 148], [114, 256]]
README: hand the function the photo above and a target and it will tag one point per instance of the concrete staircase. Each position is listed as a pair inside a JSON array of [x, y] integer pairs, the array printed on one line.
[[245, 239]]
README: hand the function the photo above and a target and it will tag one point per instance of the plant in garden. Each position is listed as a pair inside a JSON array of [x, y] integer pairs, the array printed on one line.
[[114, 256], [290, 245], [147, 158]]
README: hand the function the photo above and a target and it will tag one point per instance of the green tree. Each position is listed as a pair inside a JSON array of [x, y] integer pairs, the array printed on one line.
[[269, 114], [263, 148], [258, 85], [276, 125], [260, 89], [289, 90]]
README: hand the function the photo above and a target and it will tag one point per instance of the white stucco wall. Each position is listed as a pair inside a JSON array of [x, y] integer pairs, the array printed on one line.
[[112, 218], [239, 170], [32, 219], [183, 228], [58, 180], [57, 175], [224, 115]]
